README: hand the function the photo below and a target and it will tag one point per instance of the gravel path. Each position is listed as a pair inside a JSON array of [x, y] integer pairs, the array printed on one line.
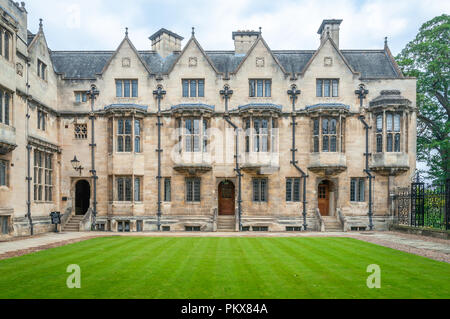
[[434, 248]]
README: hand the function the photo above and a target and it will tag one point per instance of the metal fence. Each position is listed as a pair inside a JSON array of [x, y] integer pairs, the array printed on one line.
[[423, 206]]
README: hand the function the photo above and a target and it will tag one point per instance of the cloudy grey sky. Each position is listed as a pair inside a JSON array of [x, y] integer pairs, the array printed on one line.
[[286, 24]]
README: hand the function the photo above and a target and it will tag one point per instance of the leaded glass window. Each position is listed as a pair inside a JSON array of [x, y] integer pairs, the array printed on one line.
[[292, 189], [260, 190], [357, 190], [193, 189], [260, 88]]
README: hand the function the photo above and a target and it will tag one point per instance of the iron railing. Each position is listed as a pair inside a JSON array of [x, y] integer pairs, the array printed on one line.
[[423, 206]]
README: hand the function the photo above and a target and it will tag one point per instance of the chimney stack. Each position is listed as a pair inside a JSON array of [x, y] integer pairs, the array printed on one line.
[[243, 40], [330, 27], [165, 42]]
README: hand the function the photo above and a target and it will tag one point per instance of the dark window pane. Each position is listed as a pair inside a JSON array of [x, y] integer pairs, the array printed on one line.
[[1, 105], [325, 126], [128, 189], [263, 190], [333, 126], [201, 88], [256, 190], [353, 190], [326, 88], [127, 126], [126, 87], [335, 88], [193, 90], [167, 190], [197, 190], [316, 126], [137, 144], [316, 144], [333, 144], [137, 189], [288, 189], [319, 88], [296, 189], [120, 126], [252, 92], [185, 88], [119, 88], [389, 143], [361, 190], [268, 88], [260, 88], [397, 143], [120, 189], [7, 99], [127, 143], [135, 88], [379, 123], [325, 146], [379, 143]]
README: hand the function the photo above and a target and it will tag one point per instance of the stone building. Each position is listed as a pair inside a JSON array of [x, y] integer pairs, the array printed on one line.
[[181, 139]]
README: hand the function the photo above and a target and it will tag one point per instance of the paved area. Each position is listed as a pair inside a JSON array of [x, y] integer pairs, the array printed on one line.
[[438, 249]]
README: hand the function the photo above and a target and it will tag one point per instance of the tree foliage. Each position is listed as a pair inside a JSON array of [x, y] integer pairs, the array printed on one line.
[[427, 59]]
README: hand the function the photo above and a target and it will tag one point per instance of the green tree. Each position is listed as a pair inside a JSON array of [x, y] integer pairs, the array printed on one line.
[[427, 59]]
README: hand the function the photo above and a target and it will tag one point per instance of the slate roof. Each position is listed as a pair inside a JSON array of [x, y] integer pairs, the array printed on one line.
[[161, 31], [30, 37], [86, 64]]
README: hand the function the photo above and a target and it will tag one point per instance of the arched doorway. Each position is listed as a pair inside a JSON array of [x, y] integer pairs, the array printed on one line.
[[226, 198], [82, 197], [323, 198]]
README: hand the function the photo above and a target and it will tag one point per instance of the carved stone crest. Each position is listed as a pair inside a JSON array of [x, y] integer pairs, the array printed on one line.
[[192, 61], [260, 62], [126, 62], [328, 61]]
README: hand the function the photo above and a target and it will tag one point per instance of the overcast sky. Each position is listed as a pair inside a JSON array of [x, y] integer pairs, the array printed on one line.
[[286, 24]]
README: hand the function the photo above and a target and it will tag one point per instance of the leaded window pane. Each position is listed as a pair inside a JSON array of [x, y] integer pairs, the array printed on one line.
[[397, 143], [361, 190], [120, 189], [326, 88], [120, 143], [193, 90], [137, 189], [135, 88], [137, 144], [185, 88], [325, 146], [333, 126], [389, 122], [126, 88], [389, 143], [296, 189], [397, 123], [268, 88], [1, 105], [197, 190], [7, 99], [288, 189], [119, 88], [260, 88], [319, 88], [127, 143], [379, 123], [128, 190], [316, 144], [324, 126], [201, 88], [252, 86], [353, 190], [379, 143], [2, 173], [167, 190], [127, 126], [256, 197], [335, 88], [333, 144], [120, 127], [263, 190]]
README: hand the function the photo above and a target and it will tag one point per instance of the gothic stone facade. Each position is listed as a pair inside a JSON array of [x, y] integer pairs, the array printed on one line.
[[46, 122]]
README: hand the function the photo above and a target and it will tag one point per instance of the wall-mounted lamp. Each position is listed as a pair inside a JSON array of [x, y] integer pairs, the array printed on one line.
[[76, 164]]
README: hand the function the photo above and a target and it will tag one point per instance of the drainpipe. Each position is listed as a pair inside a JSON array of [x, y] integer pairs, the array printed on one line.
[[28, 178], [293, 93], [226, 93], [159, 94], [92, 93], [367, 169]]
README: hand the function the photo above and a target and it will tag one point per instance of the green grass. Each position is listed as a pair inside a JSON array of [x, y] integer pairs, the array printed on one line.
[[142, 267]]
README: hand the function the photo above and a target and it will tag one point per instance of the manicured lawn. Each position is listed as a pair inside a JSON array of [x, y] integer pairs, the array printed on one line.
[[140, 267]]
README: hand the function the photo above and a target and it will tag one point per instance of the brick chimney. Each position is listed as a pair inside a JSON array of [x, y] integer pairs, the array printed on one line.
[[165, 42], [243, 40], [331, 27]]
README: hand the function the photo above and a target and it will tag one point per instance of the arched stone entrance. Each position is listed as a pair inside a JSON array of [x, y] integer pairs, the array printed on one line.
[[226, 198], [82, 197]]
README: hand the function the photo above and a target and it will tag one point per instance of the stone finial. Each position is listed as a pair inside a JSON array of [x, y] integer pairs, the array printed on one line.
[[385, 42], [260, 31], [41, 25], [126, 32], [193, 31]]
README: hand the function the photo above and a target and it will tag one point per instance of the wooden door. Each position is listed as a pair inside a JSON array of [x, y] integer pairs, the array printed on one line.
[[226, 198], [324, 199]]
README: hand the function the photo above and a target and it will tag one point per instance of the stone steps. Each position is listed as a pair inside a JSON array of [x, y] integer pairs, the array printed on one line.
[[225, 223], [332, 224], [73, 224]]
